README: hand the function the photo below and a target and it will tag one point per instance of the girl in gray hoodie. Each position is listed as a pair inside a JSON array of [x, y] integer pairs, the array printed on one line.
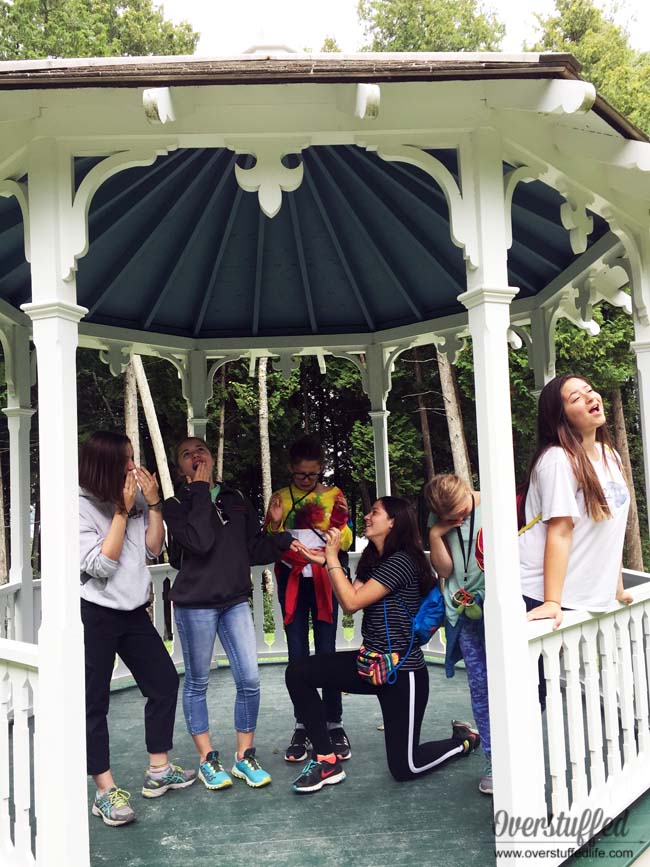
[[120, 524]]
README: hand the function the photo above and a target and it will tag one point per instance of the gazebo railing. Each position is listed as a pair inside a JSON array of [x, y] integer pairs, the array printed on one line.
[[270, 644], [597, 721], [597, 675], [18, 689], [8, 595]]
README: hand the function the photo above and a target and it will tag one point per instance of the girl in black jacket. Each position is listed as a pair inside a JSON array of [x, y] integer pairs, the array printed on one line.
[[219, 538]]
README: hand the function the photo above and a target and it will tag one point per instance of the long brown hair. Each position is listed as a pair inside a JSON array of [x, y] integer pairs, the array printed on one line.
[[101, 466], [553, 429], [403, 536]]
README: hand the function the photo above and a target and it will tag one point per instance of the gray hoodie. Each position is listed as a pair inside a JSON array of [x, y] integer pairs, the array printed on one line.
[[122, 584]]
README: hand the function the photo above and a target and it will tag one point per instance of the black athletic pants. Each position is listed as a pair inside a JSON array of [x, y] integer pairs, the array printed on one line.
[[402, 705], [130, 634]]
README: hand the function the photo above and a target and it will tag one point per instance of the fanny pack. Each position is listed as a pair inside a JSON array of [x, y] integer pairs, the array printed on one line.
[[379, 668]]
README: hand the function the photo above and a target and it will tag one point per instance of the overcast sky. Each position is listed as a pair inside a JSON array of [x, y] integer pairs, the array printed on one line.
[[230, 28]]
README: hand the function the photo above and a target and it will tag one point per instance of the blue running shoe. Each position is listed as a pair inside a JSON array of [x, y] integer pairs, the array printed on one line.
[[212, 774], [250, 770]]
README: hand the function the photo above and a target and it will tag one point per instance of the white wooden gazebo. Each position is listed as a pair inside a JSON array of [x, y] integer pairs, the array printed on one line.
[[285, 205]]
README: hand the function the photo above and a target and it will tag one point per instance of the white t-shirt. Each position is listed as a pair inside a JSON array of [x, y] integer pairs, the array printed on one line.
[[596, 548]]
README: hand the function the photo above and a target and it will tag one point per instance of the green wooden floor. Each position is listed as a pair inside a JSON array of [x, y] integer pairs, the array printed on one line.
[[369, 820]]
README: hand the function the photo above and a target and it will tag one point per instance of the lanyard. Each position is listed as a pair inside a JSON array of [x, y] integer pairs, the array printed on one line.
[[295, 503], [469, 542]]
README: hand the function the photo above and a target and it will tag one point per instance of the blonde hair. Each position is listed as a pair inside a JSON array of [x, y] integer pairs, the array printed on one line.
[[445, 492]]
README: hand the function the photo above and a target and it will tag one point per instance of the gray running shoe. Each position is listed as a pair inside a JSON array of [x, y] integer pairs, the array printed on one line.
[[113, 807], [175, 778], [485, 783]]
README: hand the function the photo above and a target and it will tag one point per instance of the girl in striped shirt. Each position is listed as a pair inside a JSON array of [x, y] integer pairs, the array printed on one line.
[[392, 576]]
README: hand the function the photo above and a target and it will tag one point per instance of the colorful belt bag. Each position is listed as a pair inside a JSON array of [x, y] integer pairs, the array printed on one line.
[[379, 668]]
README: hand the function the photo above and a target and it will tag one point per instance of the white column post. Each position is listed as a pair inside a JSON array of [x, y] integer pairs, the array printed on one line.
[[641, 347], [59, 702], [19, 415], [378, 389], [515, 730], [197, 402]]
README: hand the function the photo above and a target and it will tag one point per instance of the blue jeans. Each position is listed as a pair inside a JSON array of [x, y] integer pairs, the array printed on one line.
[[297, 633], [197, 629]]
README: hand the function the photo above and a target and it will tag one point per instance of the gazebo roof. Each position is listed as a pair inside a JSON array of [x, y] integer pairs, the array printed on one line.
[[362, 243]]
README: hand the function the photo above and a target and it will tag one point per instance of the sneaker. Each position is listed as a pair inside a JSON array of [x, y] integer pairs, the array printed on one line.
[[297, 749], [340, 744], [250, 770], [485, 783], [113, 807], [464, 732], [212, 774], [174, 778], [315, 775]]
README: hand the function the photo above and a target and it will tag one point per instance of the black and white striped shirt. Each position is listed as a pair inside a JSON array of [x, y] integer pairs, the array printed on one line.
[[398, 573]]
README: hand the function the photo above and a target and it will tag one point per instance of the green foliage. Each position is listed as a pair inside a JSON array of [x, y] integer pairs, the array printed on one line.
[[32, 29], [429, 25], [330, 45], [619, 73]]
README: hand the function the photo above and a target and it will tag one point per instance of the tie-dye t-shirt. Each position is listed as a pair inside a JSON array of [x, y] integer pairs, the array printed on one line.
[[315, 511]]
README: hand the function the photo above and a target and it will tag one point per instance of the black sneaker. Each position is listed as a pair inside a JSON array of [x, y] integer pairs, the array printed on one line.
[[464, 732], [315, 775], [297, 749], [340, 744]]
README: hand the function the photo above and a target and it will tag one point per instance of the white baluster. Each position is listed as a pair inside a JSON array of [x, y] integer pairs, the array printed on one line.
[[625, 683], [551, 648], [177, 649], [577, 756], [640, 678], [607, 651], [590, 663], [158, 605], [258, 611], [279, 645], [22, 702], [3, 616], [36, 586], [5, 708]]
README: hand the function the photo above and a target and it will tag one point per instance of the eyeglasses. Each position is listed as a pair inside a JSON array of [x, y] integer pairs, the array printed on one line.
[[305, 476]]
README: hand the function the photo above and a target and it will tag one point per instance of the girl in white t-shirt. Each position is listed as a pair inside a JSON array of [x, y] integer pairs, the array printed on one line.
[[571, 558]]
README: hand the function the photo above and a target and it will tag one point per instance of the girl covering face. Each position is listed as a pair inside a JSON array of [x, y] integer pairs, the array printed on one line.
[[120, 523]]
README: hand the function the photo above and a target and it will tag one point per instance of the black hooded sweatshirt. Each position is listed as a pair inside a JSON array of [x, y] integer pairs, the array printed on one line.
[[220, 542]]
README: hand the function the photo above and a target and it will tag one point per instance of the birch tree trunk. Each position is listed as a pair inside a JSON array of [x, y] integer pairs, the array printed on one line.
[[131, 411], [633, 550], [221, 435], [154, 429], [265, 450], [454, 419], [4, 565], [424, 418]]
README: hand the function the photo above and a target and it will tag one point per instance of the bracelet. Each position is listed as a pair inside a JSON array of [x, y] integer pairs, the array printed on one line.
[[157, 506], [329, 568], [554, 601]]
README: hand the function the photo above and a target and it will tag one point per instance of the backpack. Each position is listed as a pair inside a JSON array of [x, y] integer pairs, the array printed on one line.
[[522, 526], [175, 549]]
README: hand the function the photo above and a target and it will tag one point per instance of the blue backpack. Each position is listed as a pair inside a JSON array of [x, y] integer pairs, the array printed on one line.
[[430, 616]]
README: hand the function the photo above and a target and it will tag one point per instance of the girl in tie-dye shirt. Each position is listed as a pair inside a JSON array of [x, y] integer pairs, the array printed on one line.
[[307, 509]]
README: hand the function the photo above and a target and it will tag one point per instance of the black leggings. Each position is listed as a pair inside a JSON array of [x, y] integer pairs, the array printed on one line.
[[130, 634], [402, 705]]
